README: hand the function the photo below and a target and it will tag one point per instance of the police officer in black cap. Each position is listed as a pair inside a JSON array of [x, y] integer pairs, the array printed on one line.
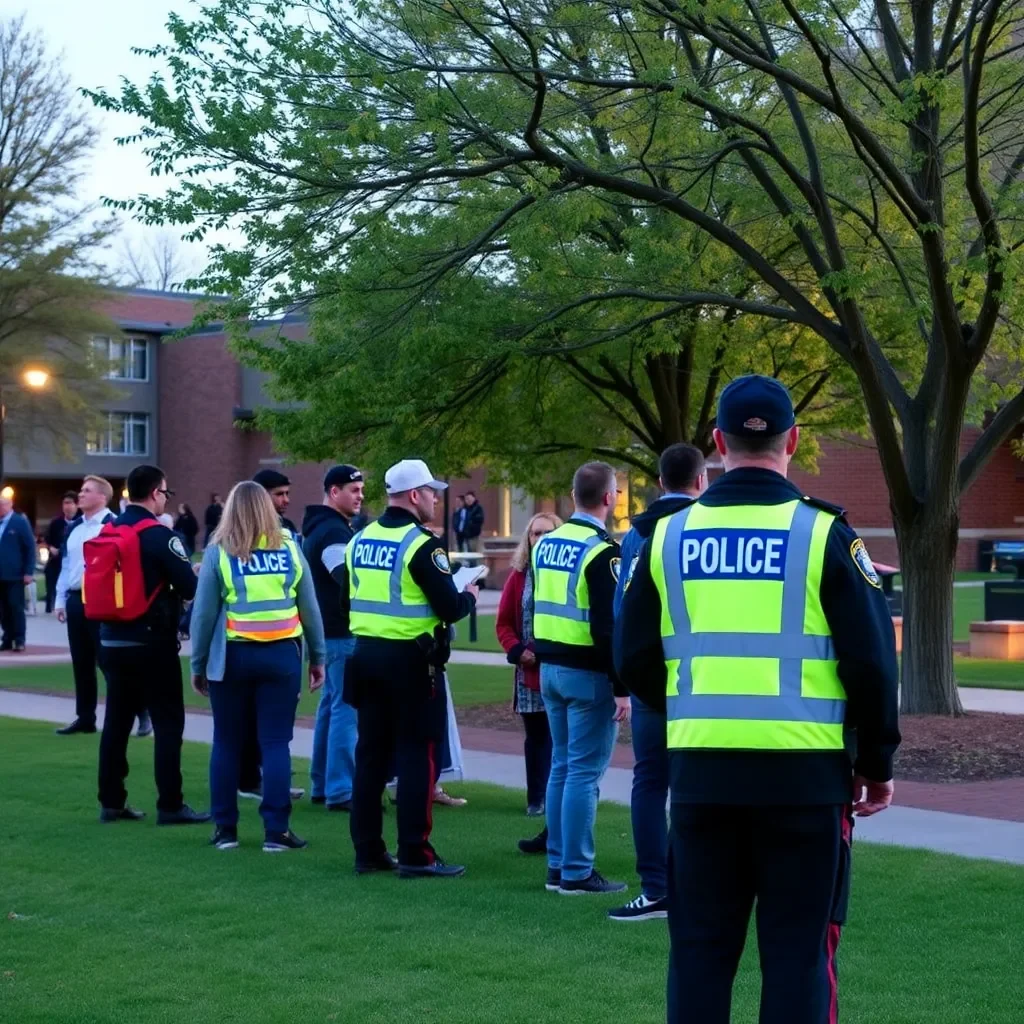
[[755, 619]]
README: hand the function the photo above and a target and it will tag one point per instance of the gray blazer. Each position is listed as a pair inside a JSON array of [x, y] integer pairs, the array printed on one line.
[[209, 618]]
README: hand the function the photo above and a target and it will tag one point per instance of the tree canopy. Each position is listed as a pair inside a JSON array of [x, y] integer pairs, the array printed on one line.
[[847, 170]]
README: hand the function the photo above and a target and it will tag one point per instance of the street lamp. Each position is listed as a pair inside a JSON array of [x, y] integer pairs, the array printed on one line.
[[34, 378]]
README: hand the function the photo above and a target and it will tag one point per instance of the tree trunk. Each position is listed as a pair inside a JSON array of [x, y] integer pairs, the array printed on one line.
[[928, 561]]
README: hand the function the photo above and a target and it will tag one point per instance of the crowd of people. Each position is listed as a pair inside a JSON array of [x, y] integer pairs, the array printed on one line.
[[739, 628]]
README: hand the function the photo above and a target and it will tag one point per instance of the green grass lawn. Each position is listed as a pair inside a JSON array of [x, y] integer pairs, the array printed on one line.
[[471, 684], [486, 639], [999, 675], [131, 923]]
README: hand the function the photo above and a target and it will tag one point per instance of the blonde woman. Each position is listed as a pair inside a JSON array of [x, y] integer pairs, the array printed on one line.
[[514, 626], [254, 605]]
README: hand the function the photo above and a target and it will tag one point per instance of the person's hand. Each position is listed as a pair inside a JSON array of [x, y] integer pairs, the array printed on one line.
[[28, 579], [870, 797], [201, 686], [472, 588], [196, 566], [622, 709], [316, 677], [62, 616], [528, 658]]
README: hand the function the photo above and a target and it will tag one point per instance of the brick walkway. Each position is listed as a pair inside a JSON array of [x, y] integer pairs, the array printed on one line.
[[1003, 798]]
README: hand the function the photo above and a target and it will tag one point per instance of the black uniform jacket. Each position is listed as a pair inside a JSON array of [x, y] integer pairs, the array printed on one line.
[[601, 576], [166, 565], [861, 627]]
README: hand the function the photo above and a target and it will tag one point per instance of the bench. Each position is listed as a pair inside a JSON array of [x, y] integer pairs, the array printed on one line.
[[1002, 639]]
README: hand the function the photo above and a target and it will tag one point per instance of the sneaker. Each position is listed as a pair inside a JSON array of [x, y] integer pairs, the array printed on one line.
[[641, 909], [225, 838], [535, 810], [145, 727], [250, 794], [554, 880], [538, 844], [296, 794], [281, 842], [595, 885]]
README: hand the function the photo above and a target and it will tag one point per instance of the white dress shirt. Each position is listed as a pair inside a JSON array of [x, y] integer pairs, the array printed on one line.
[[73, 567]]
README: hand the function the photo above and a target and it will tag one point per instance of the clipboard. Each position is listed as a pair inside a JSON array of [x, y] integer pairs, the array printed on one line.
[[467, 575]]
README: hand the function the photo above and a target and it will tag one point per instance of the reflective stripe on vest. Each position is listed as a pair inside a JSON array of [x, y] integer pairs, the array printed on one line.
[[561, 601], [805, 705], [384, 600], [260, 594]]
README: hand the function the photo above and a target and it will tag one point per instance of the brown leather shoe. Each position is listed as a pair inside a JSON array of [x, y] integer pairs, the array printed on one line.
[[441, 797]]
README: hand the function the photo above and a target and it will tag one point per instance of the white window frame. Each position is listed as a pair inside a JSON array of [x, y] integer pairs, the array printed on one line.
[[129, 420], [112, 371]]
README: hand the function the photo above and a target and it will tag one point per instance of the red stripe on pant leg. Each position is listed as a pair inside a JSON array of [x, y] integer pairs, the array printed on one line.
[[428, 851], [832, 945]]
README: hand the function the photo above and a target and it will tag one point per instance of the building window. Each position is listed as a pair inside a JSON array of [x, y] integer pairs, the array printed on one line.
[[122, 358], [125, 433]]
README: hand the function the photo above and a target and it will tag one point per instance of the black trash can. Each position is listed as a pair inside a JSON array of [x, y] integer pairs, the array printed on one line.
[[985, 555]]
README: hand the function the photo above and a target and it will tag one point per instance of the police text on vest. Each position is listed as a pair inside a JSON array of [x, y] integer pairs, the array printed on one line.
[[374, 554], [559, 554], [734, 554]]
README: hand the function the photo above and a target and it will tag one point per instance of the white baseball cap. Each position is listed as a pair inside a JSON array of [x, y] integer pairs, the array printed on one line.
[[410, 474]]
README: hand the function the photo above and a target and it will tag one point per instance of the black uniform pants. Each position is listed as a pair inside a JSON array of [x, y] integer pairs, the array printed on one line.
[[794, 864], [84, 641], [402, 712], [51, 573], [12, 612], [140, 677]]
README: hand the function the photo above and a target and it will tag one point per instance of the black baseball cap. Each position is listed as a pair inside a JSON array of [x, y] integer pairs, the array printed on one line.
[[338, 476], [269, 479], [755, 406]]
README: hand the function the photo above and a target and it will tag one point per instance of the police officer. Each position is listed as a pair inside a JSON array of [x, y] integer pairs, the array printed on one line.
[[575, 569], [399, 597], [756, 619], [250, 784], [140, 660], [255, 601]]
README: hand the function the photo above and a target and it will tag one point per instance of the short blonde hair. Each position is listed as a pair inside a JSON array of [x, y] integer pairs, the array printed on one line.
[[249, 521], [521, 555], [102, 484]]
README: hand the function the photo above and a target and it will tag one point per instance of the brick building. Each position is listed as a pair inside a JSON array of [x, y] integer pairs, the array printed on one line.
[[186, 405]]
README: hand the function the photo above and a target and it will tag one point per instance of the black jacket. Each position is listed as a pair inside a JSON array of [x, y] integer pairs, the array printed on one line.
[[164, 565], [325, 535], [447, 603], [862, 632], [601, 576], [211, 517], [474, 521]]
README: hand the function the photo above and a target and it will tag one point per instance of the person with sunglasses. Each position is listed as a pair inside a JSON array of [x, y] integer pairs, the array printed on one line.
[[140, 661]]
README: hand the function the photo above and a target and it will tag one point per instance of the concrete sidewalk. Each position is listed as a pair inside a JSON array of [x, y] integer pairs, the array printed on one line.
[[964, 835]]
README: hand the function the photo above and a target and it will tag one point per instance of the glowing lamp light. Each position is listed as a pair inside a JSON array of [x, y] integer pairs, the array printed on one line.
[[36, 378], [124, 493], [7, 493]]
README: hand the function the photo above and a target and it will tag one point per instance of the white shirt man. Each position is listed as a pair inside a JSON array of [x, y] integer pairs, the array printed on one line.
[[83, 635]]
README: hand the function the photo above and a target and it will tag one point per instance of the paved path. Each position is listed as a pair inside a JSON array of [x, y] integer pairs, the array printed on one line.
[[942, 832]]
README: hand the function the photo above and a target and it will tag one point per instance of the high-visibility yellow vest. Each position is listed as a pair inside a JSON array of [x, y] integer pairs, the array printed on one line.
[[750, 659], [561, 599], [259, 593], [384, 600]]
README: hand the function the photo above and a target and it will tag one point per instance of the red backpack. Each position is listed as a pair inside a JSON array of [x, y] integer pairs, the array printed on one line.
[[113, 587]]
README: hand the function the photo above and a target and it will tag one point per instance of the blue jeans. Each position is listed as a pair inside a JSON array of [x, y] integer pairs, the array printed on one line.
[[267, 675], [580, 705], [650, 797], [334, 737]]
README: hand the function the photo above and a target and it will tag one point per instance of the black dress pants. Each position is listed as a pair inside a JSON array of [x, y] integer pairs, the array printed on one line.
[[537, 752], [138, 677], [84, 641], [12, 612], [402, 713], [51, 573], [793, 863]]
